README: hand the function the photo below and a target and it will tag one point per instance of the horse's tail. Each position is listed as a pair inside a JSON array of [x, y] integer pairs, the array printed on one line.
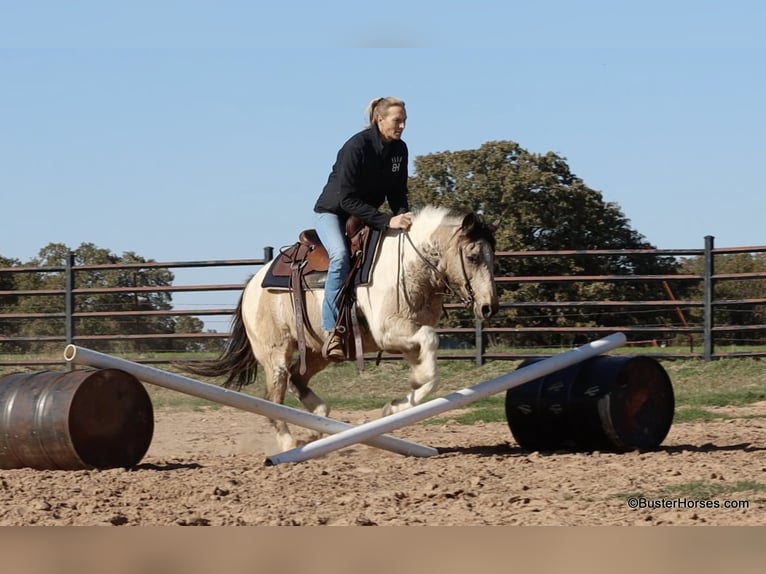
[[236, 361]]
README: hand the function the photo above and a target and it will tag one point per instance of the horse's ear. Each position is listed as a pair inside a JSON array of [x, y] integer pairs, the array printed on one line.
[[469, 223]]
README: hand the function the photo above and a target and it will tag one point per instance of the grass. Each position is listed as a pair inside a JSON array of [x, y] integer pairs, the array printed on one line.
[[727, 382], [697, 386], [489, 410], [685, 414]]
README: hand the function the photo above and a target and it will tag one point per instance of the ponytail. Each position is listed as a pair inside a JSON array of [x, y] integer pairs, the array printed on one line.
[[379, 107]]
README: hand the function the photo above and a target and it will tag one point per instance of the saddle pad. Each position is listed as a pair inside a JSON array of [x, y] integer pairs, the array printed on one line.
[[316, 279]]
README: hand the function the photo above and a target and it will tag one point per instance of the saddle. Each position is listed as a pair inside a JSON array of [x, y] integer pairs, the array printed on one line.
[[308, 255], [303, 266]]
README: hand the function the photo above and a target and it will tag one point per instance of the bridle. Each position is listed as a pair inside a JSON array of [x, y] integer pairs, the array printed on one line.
[[468, 301]]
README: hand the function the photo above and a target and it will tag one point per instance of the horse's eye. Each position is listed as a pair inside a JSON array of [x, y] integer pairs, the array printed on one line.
[[474, 258]]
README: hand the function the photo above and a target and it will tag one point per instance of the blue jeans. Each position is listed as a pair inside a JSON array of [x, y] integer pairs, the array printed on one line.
[[333, 236]]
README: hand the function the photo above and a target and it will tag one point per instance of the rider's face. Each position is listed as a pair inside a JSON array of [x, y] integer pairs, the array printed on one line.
[[392, 124]]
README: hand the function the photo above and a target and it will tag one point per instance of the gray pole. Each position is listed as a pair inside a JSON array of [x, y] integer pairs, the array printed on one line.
[[478, 327], [708, 286], [69, 301], [237, 400], [454, 400]]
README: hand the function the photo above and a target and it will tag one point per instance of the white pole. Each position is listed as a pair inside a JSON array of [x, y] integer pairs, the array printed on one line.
[[217, 394], [451, 401]]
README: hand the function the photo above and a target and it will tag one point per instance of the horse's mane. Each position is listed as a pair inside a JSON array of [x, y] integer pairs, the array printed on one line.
[[429, 218]]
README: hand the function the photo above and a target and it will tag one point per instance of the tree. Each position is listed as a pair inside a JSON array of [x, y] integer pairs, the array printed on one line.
[[7, 283], [138, 296], [730, 290], [187, 324], [539, 204], [8, 303]]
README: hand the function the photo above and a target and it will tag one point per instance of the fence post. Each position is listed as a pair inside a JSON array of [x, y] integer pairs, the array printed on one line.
[[708, 297], [479, 330], [268, 253], [69, 301]]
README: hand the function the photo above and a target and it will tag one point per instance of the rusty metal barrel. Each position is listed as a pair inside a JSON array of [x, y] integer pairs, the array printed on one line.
[[74, 420], [607, 403]]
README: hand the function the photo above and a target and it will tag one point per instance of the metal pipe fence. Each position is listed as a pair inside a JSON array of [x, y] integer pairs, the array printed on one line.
[[464, 339]]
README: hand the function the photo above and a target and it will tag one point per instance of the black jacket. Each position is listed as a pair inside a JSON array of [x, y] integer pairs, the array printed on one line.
[[366, 173]]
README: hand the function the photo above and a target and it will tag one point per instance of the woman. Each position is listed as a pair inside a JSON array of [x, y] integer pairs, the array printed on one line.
[[370, 168]]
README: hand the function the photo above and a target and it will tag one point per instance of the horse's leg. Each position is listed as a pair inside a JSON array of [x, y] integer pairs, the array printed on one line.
[[300, 385], [277, 374], [418, 344]]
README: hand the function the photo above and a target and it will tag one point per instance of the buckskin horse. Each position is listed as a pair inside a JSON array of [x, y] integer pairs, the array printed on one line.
[[444, 252]]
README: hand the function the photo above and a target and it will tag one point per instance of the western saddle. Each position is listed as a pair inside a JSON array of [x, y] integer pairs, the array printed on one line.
[[308, 257]]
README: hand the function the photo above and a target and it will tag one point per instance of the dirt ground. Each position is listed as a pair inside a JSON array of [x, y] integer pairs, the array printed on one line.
[[206, 468]]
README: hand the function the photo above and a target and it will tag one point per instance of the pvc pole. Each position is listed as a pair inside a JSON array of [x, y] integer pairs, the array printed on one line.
[[235, 399], [451, 401]]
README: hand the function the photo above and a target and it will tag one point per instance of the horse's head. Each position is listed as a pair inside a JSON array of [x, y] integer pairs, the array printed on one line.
[[470, 265]]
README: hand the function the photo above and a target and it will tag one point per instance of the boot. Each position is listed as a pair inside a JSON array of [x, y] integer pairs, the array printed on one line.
[[333, 348]]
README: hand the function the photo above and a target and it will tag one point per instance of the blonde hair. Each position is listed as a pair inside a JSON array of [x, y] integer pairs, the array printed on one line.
[[379, 107]]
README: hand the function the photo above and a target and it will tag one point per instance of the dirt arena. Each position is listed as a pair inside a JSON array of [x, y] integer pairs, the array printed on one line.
[[205, 467]]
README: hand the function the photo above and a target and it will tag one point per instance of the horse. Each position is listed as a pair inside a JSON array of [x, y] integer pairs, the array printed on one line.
[[444, 252]]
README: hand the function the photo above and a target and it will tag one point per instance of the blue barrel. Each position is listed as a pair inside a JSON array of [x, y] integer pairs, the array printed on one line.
[[73, 420], [608, 403]]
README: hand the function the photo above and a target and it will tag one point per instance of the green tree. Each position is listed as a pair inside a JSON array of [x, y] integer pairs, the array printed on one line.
[[538, 204], [8, 302], [741, 313], [187, 324], [138, 296], [8, 282]]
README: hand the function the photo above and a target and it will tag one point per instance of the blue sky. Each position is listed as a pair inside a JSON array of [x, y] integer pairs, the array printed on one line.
[[206, 130]]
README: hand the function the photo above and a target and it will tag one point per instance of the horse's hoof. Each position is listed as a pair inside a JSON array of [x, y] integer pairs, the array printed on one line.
[[388, 410]]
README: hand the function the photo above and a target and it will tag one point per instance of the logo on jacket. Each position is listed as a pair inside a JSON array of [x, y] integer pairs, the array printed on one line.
[[396, 163]]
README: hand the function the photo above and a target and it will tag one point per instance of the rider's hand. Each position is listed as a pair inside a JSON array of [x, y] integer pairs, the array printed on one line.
[[401, 221]]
